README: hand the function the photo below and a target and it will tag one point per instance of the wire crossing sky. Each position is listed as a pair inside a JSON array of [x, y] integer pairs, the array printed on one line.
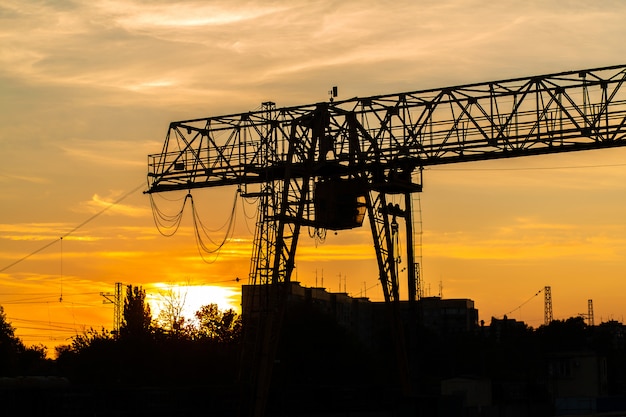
[[90, 219]]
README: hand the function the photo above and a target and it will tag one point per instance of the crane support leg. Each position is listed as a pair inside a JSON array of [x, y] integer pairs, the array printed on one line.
[[410, 254], [275, 259], [383, 245]]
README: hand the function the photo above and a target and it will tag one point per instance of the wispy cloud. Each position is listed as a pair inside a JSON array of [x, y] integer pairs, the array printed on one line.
[[527, 239], [32, 231], [171, 47], [143, 16], [23, 178], [111, 153], [98, 203]]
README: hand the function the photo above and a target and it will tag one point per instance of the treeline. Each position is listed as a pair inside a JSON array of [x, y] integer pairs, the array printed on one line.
[[171, 366], [15, 357], [317, 362], [509, 352], [167, 350]]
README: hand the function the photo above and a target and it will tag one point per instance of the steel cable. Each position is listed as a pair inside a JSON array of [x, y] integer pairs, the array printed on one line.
[[200, 230]]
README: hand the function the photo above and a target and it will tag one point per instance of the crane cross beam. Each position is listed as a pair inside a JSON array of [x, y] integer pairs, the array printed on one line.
[[569, 111]]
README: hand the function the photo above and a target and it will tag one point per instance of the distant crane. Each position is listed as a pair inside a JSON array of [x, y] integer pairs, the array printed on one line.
[[325, 166]]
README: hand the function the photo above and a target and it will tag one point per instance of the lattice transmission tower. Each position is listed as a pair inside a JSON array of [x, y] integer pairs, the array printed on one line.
[[547, 305], [590, 320], [117, 299]]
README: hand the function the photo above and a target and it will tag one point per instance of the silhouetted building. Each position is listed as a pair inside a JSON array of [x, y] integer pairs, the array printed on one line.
[[473, 392], [576, 380], [354, 314], [506, 327], [446, 316], [363, 317]]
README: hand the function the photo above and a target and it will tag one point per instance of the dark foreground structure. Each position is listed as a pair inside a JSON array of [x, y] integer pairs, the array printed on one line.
[[329, 166]]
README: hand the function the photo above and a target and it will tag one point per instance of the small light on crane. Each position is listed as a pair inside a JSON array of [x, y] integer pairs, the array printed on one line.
[[333, 93]]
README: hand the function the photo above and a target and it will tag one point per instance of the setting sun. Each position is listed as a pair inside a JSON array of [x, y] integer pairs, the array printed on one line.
[[191, 297]]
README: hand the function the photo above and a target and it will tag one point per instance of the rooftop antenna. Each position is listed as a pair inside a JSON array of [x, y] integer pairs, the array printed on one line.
[[333, 93]]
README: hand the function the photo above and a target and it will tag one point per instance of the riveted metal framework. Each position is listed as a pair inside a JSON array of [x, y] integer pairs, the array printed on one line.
[[380, 144], [382, 140], [551, 113]]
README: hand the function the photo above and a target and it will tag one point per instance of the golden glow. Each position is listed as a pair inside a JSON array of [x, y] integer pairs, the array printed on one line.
[[184, 15], [191, 297], [92, 88]]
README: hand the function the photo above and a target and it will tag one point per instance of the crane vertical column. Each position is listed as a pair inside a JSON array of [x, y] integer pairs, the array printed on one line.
[[410, 253]]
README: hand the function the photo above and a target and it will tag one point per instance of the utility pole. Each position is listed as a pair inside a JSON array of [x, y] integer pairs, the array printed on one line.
[[115, 299]]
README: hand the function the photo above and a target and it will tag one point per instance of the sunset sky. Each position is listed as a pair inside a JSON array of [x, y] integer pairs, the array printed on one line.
[[88, 89]]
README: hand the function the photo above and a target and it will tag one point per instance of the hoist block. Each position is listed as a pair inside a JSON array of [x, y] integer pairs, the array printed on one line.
[[339, 204]]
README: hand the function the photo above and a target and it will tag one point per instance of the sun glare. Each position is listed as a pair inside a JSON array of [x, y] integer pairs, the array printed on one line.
[[192, 297]]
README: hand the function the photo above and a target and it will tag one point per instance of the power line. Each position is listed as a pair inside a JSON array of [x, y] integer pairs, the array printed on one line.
[[525, 302], [33, 300], [47, 245], [50, 329], [13, 294]]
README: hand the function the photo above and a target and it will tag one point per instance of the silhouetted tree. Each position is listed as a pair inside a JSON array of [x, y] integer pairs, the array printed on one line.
[[87, 340], [569, 334], [170, 318], [10, 346], [91, 357], [15, 357], [223, 326], [137, 318]]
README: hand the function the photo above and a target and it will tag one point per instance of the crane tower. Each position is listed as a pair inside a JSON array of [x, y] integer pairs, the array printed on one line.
[[331, 165]]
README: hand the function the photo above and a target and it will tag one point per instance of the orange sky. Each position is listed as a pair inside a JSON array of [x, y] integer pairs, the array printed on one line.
[[89, 88]]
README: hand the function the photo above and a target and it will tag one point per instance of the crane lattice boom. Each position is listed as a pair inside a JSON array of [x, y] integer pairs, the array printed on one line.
[[568, 111]]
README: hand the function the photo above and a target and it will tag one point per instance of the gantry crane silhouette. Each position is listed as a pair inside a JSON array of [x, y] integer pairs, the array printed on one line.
[[329, 165]]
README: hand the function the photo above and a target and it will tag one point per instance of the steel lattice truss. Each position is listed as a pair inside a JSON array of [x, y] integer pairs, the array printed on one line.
[[382, 140], [568, 111]]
